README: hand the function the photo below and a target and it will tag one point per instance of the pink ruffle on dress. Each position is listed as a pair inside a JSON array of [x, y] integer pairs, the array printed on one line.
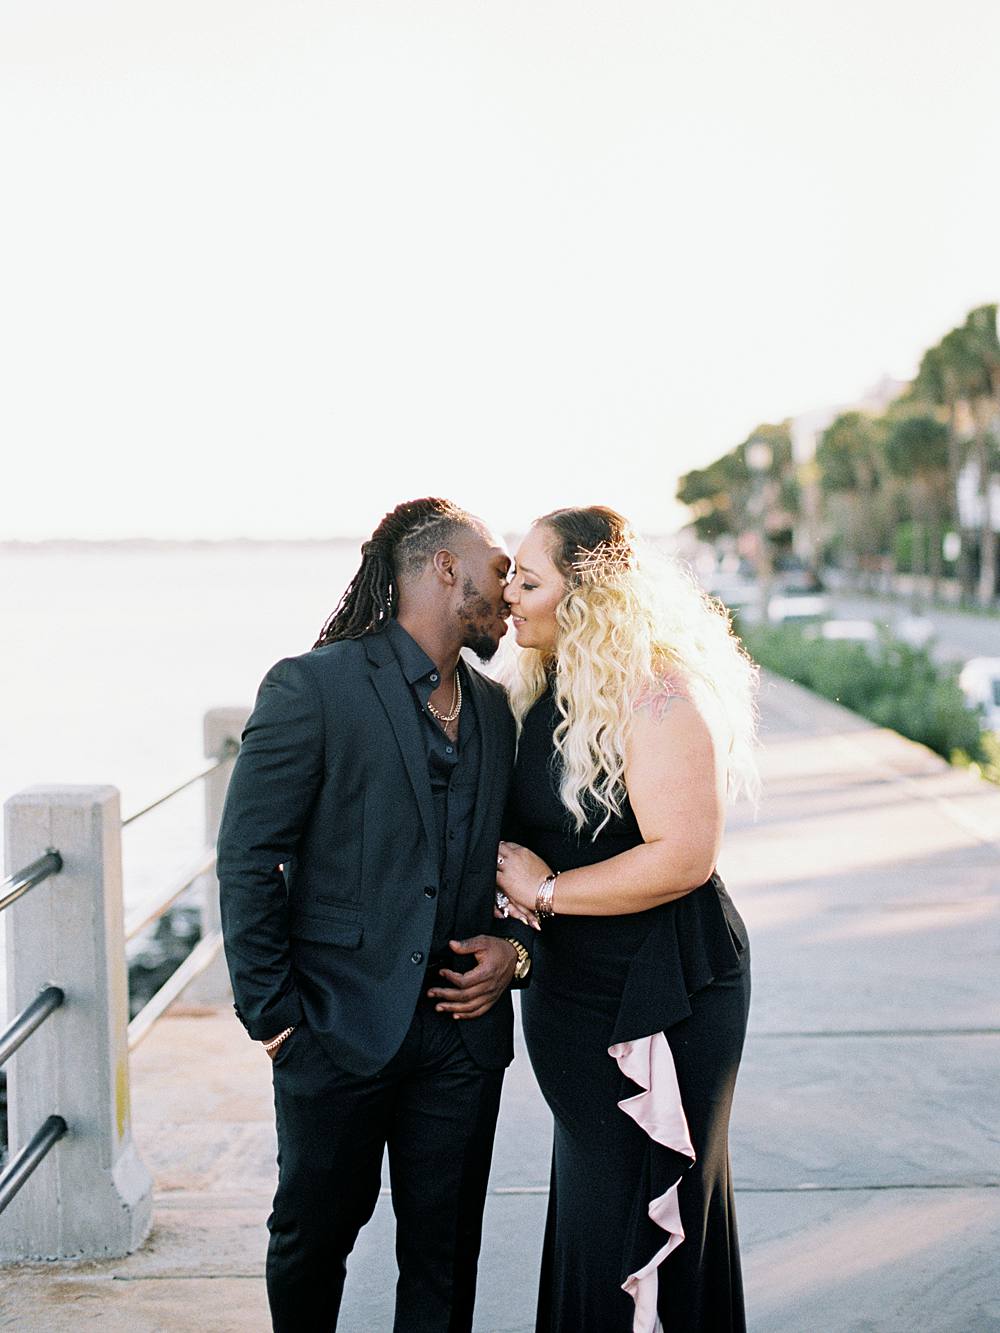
[[659, 1112]]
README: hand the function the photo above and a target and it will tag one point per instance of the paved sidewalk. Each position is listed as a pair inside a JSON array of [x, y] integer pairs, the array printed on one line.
[[865, 1133]]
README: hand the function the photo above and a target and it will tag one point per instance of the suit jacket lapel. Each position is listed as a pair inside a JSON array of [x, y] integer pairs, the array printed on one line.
[[397, 699], [481, 702]]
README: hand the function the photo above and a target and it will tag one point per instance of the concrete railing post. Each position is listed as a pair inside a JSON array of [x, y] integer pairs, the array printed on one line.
[[92, 1195], [222, 729]]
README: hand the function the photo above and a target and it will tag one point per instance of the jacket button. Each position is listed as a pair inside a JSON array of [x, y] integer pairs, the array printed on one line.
[[416, 956], [430, 891]]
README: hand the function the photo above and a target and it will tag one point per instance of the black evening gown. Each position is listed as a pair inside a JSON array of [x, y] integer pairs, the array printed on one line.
[[635, 1026]]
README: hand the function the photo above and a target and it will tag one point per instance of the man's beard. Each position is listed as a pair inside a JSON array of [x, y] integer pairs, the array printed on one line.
[[473, 614]]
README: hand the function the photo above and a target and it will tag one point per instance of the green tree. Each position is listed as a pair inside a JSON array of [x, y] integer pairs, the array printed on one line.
[[962, 375], [858, 506], [938, 384], [726, 496], [982, 384], [719, 496], [916, 450]]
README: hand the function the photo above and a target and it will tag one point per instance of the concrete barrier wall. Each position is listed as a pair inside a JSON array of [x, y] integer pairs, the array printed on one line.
[[91, 1197]]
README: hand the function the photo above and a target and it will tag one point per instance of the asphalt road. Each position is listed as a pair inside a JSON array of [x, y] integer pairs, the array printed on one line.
[[958, 635]]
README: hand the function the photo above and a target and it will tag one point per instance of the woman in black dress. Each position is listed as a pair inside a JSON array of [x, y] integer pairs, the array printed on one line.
[[636, 711]]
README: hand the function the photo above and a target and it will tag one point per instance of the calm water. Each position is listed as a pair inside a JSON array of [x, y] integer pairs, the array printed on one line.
[[110, 657]]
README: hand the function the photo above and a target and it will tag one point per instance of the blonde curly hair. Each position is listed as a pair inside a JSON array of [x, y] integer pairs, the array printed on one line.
[[633, 626]]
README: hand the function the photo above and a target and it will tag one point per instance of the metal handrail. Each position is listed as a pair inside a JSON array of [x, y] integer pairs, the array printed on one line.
[[23, 880], [193, 965], [146, 916], [229, 750], [32, 1016], [104, 880], [21, 1166]]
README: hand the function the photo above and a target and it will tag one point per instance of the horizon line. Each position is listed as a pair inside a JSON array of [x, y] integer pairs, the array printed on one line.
[[36, 543]]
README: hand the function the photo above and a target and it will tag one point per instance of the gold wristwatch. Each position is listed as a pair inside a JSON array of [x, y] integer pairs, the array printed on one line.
[[523, 958]]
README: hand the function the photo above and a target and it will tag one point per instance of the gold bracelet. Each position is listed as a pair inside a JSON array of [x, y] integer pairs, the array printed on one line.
[[275, 1042], [543, 898]]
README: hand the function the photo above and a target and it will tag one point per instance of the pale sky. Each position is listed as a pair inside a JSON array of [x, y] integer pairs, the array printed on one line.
[[268, 267]]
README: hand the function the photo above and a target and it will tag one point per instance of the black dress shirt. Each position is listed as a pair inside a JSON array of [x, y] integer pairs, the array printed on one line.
[[453, 771]]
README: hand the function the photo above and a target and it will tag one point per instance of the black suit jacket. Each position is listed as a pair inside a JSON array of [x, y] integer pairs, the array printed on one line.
[[331, 783]]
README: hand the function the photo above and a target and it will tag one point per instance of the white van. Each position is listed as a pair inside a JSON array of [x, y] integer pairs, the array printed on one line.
[[980, 683]]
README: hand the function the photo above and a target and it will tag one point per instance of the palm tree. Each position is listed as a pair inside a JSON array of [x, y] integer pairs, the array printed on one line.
[[917, 450], [938, 384], [853, 475], [963, 375], [982, 349]]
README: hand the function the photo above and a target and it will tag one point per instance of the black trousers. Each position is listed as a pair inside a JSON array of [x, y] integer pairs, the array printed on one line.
[[436, 1110]]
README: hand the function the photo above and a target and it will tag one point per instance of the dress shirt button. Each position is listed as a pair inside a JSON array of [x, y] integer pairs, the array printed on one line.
[[416, 956], [430, 891]]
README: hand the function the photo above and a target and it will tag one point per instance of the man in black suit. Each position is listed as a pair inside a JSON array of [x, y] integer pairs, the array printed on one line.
[[357, 863]]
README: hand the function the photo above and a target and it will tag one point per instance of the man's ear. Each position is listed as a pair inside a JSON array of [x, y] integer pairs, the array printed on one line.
[[444, 565]]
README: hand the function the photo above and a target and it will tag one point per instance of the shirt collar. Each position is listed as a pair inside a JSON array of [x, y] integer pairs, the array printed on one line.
[[413, 661]]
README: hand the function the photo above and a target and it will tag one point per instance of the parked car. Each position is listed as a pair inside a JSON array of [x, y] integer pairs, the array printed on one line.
[[979, 681], [914, 629], [863, 632], [735, 593], [789, 604], [791, 571], [732, 583], [850, 631]]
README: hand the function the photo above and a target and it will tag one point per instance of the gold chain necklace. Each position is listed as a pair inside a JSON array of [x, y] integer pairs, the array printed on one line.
[[456, 703]]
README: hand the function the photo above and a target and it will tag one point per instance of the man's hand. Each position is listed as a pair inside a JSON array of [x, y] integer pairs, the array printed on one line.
[[475, 993]]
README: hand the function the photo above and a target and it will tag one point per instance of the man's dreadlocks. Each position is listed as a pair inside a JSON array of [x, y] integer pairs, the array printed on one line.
[[407, 536]]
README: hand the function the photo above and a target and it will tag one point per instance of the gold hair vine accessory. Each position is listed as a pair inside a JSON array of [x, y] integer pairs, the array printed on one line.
[[607, 561]]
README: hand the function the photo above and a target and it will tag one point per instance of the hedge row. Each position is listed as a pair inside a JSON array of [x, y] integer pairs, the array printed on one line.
[[890, 683]]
